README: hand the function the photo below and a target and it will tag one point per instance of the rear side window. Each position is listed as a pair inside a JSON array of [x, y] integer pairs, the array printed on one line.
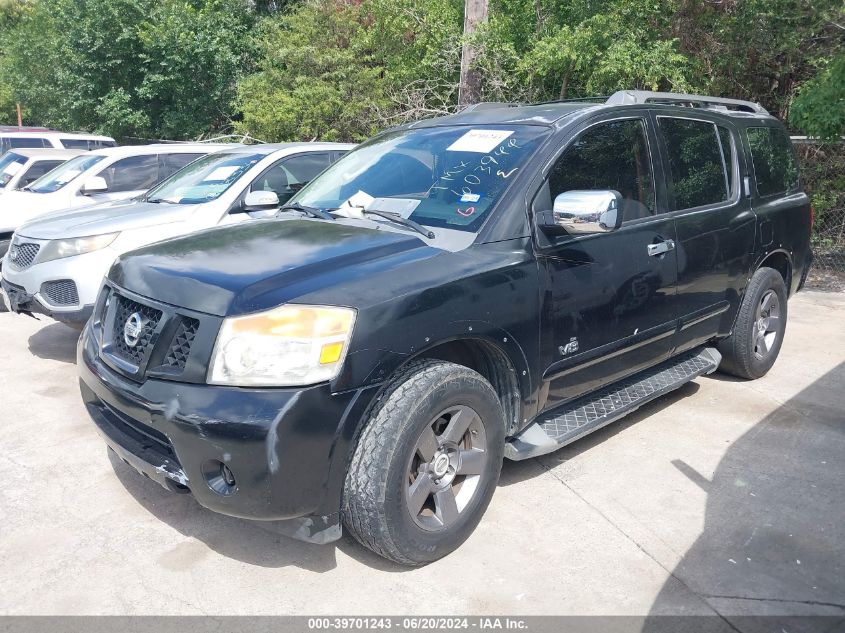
[[75, 143], [610, 156], [136, 173], [28, 141], [774, 161], [37, 170], [697, 162], [85, 143]]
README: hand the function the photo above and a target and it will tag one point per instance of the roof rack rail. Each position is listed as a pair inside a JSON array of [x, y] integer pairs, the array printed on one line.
[[489, 105], [597, 99], [626, 97]]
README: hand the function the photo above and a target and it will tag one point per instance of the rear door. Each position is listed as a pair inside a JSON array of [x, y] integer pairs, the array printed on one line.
[[713, 219], [782, 209], [608, 300]]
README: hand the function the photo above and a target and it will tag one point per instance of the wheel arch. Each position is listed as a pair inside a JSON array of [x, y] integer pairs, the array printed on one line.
[[781, 261]]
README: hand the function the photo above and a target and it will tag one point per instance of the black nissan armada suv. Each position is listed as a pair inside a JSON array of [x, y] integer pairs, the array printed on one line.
[[496, 283]]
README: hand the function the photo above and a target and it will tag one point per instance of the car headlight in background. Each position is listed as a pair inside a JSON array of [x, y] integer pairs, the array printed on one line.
[[57, 249], [291, 345]]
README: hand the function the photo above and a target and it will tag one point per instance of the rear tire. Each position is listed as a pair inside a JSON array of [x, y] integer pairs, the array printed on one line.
[[753, 347], [426, 464]]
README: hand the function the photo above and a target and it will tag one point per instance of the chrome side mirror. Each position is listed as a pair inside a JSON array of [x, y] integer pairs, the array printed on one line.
[[585, 212]]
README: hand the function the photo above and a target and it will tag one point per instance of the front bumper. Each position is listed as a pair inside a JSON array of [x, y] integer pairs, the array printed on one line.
[[286, 448], [16, 299], [85, 272]]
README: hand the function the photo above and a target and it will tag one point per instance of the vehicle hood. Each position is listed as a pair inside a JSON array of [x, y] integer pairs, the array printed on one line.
[[16, 207], [261, 264], [104, 218]]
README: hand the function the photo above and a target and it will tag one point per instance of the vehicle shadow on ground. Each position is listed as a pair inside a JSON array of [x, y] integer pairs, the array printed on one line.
[[518, 472], [55, 341], [773, 531], [255, 543], [250, 542]]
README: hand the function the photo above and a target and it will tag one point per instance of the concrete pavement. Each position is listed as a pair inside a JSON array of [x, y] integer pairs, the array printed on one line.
[[723, 497]]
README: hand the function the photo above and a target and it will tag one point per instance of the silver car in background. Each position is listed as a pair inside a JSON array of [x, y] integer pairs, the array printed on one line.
[[56, 266]]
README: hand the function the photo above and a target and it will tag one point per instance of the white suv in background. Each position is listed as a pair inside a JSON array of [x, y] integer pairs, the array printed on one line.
[[55, 266], [52, 138], [105, 175], [22, 167]]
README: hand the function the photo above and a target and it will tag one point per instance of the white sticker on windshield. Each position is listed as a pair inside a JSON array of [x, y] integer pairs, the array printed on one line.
[[221, 173], [360, 199], [403, 207], [481, 141]]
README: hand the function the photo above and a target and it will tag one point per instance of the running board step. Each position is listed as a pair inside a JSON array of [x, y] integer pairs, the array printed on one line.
[[576, 419]]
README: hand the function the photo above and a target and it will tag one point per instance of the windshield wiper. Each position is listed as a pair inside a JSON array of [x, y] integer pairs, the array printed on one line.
[[395, 217], [313, 212]]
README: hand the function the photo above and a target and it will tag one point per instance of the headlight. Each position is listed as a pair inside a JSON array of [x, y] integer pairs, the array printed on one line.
[[57, 249], [290, 345]]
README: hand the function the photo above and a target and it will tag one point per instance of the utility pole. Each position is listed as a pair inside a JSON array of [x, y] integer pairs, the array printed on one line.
[[469, 91]]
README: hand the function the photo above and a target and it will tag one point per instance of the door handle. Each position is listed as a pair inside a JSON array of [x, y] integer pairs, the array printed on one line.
[[660, 248]]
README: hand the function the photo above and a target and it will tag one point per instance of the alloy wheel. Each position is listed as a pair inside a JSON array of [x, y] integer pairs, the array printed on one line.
[[445, 471]]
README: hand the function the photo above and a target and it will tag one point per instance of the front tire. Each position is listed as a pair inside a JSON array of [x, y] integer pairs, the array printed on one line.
[[753, 347], [426, 464]]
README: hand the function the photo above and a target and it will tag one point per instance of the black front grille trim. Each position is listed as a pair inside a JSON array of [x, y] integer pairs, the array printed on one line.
[[60, 293], [180, 347], [150, 317]]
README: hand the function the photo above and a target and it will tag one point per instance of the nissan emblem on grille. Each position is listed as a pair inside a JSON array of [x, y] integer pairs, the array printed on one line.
[[132, 329]]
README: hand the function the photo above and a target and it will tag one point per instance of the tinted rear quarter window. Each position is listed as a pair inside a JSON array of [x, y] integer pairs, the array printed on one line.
[[28, 141], [775, 168], [699, 176]]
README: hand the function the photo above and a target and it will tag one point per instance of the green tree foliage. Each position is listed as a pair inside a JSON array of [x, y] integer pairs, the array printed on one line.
[[130, 67], [760, 50], [11, 13], [551, 50], [340, 70], [819, 108]]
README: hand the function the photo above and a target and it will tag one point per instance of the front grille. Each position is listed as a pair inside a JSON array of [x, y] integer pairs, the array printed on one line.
[[22, 255], [149, 321], [180, 348], [60, 293]]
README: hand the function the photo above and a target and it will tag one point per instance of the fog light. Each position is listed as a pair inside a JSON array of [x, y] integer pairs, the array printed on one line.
[[219, 477]]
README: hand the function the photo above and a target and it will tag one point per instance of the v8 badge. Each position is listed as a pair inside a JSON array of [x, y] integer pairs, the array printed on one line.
[[570, 348]]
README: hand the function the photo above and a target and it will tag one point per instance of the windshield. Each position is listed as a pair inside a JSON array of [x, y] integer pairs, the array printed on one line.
[[204, 180], [59, 177], [10, 164], [443, 177]]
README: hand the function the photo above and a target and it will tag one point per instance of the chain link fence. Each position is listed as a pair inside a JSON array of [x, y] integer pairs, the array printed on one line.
[[823, 174]]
